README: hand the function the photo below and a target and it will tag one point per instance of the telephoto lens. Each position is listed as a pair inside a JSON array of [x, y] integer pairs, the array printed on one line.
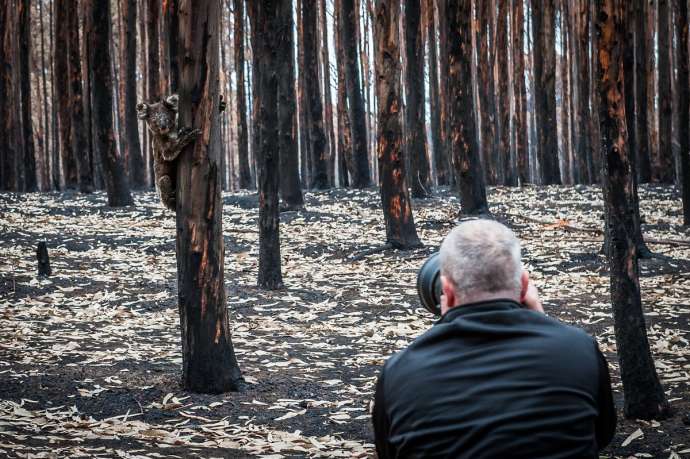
[[429, 284]]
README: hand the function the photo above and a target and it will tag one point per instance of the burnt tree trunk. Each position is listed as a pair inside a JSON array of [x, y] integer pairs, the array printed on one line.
[[503, 75], [326, 79], [6, 149], [644, 396], [415, 127], [208, 359], [641, 130], [397, 210], [438, 152], [29, 153], [244, 173], [153, 59], [317, 137], [78, 132], [46, 126], [543, 24], [663, 165], [266, 23], [290, 187], [684, 106], [463, 128], [345, 154], [358, 165], [487, 90], [302, 110], [128, 94], [443, 83], [114, 175], [520, 93], [61, 79]]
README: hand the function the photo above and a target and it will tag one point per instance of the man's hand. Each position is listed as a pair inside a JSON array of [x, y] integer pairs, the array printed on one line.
[[531, 299]]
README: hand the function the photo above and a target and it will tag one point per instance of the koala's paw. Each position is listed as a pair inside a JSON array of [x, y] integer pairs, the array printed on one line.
[[167, 192]]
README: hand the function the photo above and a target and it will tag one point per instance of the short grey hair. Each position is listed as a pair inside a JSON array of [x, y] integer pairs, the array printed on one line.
[[482, 256]]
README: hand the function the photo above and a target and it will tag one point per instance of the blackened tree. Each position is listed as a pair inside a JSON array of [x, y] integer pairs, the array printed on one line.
[[208, 359], [463, 130], [644, 396], [397, 210]]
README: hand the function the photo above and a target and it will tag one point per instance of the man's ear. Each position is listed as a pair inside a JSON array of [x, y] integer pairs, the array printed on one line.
[[524, 284], [448, 290]]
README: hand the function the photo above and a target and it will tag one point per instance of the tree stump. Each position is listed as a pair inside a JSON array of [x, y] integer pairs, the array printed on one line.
[[43, 260]]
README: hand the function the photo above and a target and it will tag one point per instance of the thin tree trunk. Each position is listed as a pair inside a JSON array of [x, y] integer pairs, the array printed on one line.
[[266, 23], [326, 78], [114, 175], [78, 131], [147, 150], [128, 94], [7, 158], [463, 129], [359, 164], [29, 156], [644, 396], [684, 106], [487, 91], [344, 130], [317, 137], [641, 130], [415, 130], [397, 210], [46, 126], [503, 49], [663, 166], [208, 359], [438, 153], [290, 187], [520, 93], [61, 79], [153, 59], [245, 180], [443, 83], [543, 23]]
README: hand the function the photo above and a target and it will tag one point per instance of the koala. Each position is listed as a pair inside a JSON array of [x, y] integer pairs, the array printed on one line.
[[168, 143]]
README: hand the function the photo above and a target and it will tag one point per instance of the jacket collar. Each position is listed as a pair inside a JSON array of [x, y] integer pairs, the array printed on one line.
[[489, 305]]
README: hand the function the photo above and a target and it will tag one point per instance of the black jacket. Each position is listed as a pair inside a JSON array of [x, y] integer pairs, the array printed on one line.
[[494, 380]]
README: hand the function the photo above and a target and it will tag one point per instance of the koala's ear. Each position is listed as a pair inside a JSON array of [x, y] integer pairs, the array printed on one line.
[[171, 102], [142, 110]]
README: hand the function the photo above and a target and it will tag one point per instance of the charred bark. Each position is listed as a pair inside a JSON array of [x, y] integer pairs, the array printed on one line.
[[114, 175], [520, 93], [641, 81], [397, 209], [290, 187], [245, 179], [266, 25], [78, 132], [644, 396], [543, 24], [415, 130], [29, 153], [128, 94], [61, 79], [663, 165], [208, 359], [684, 106], [487, 90], [317, 137], [344, 130], [503, 71], [358, 165], [438, 152], [463, 129]]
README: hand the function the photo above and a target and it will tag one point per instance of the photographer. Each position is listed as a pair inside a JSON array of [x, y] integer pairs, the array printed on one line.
[[494, 377]]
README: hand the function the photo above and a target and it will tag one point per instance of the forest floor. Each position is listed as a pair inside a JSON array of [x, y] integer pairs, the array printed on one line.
[[90, 358]]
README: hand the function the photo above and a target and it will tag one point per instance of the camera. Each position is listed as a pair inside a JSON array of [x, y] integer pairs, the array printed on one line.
[[429, 284]]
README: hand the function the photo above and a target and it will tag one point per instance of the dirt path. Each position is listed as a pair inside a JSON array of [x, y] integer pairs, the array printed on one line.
[[90, 357]]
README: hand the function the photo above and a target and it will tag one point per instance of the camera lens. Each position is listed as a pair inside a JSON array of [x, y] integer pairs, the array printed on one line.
[[429, 284]]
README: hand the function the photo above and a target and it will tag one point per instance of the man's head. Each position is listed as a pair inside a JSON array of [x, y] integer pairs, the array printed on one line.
[[480, 260]]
